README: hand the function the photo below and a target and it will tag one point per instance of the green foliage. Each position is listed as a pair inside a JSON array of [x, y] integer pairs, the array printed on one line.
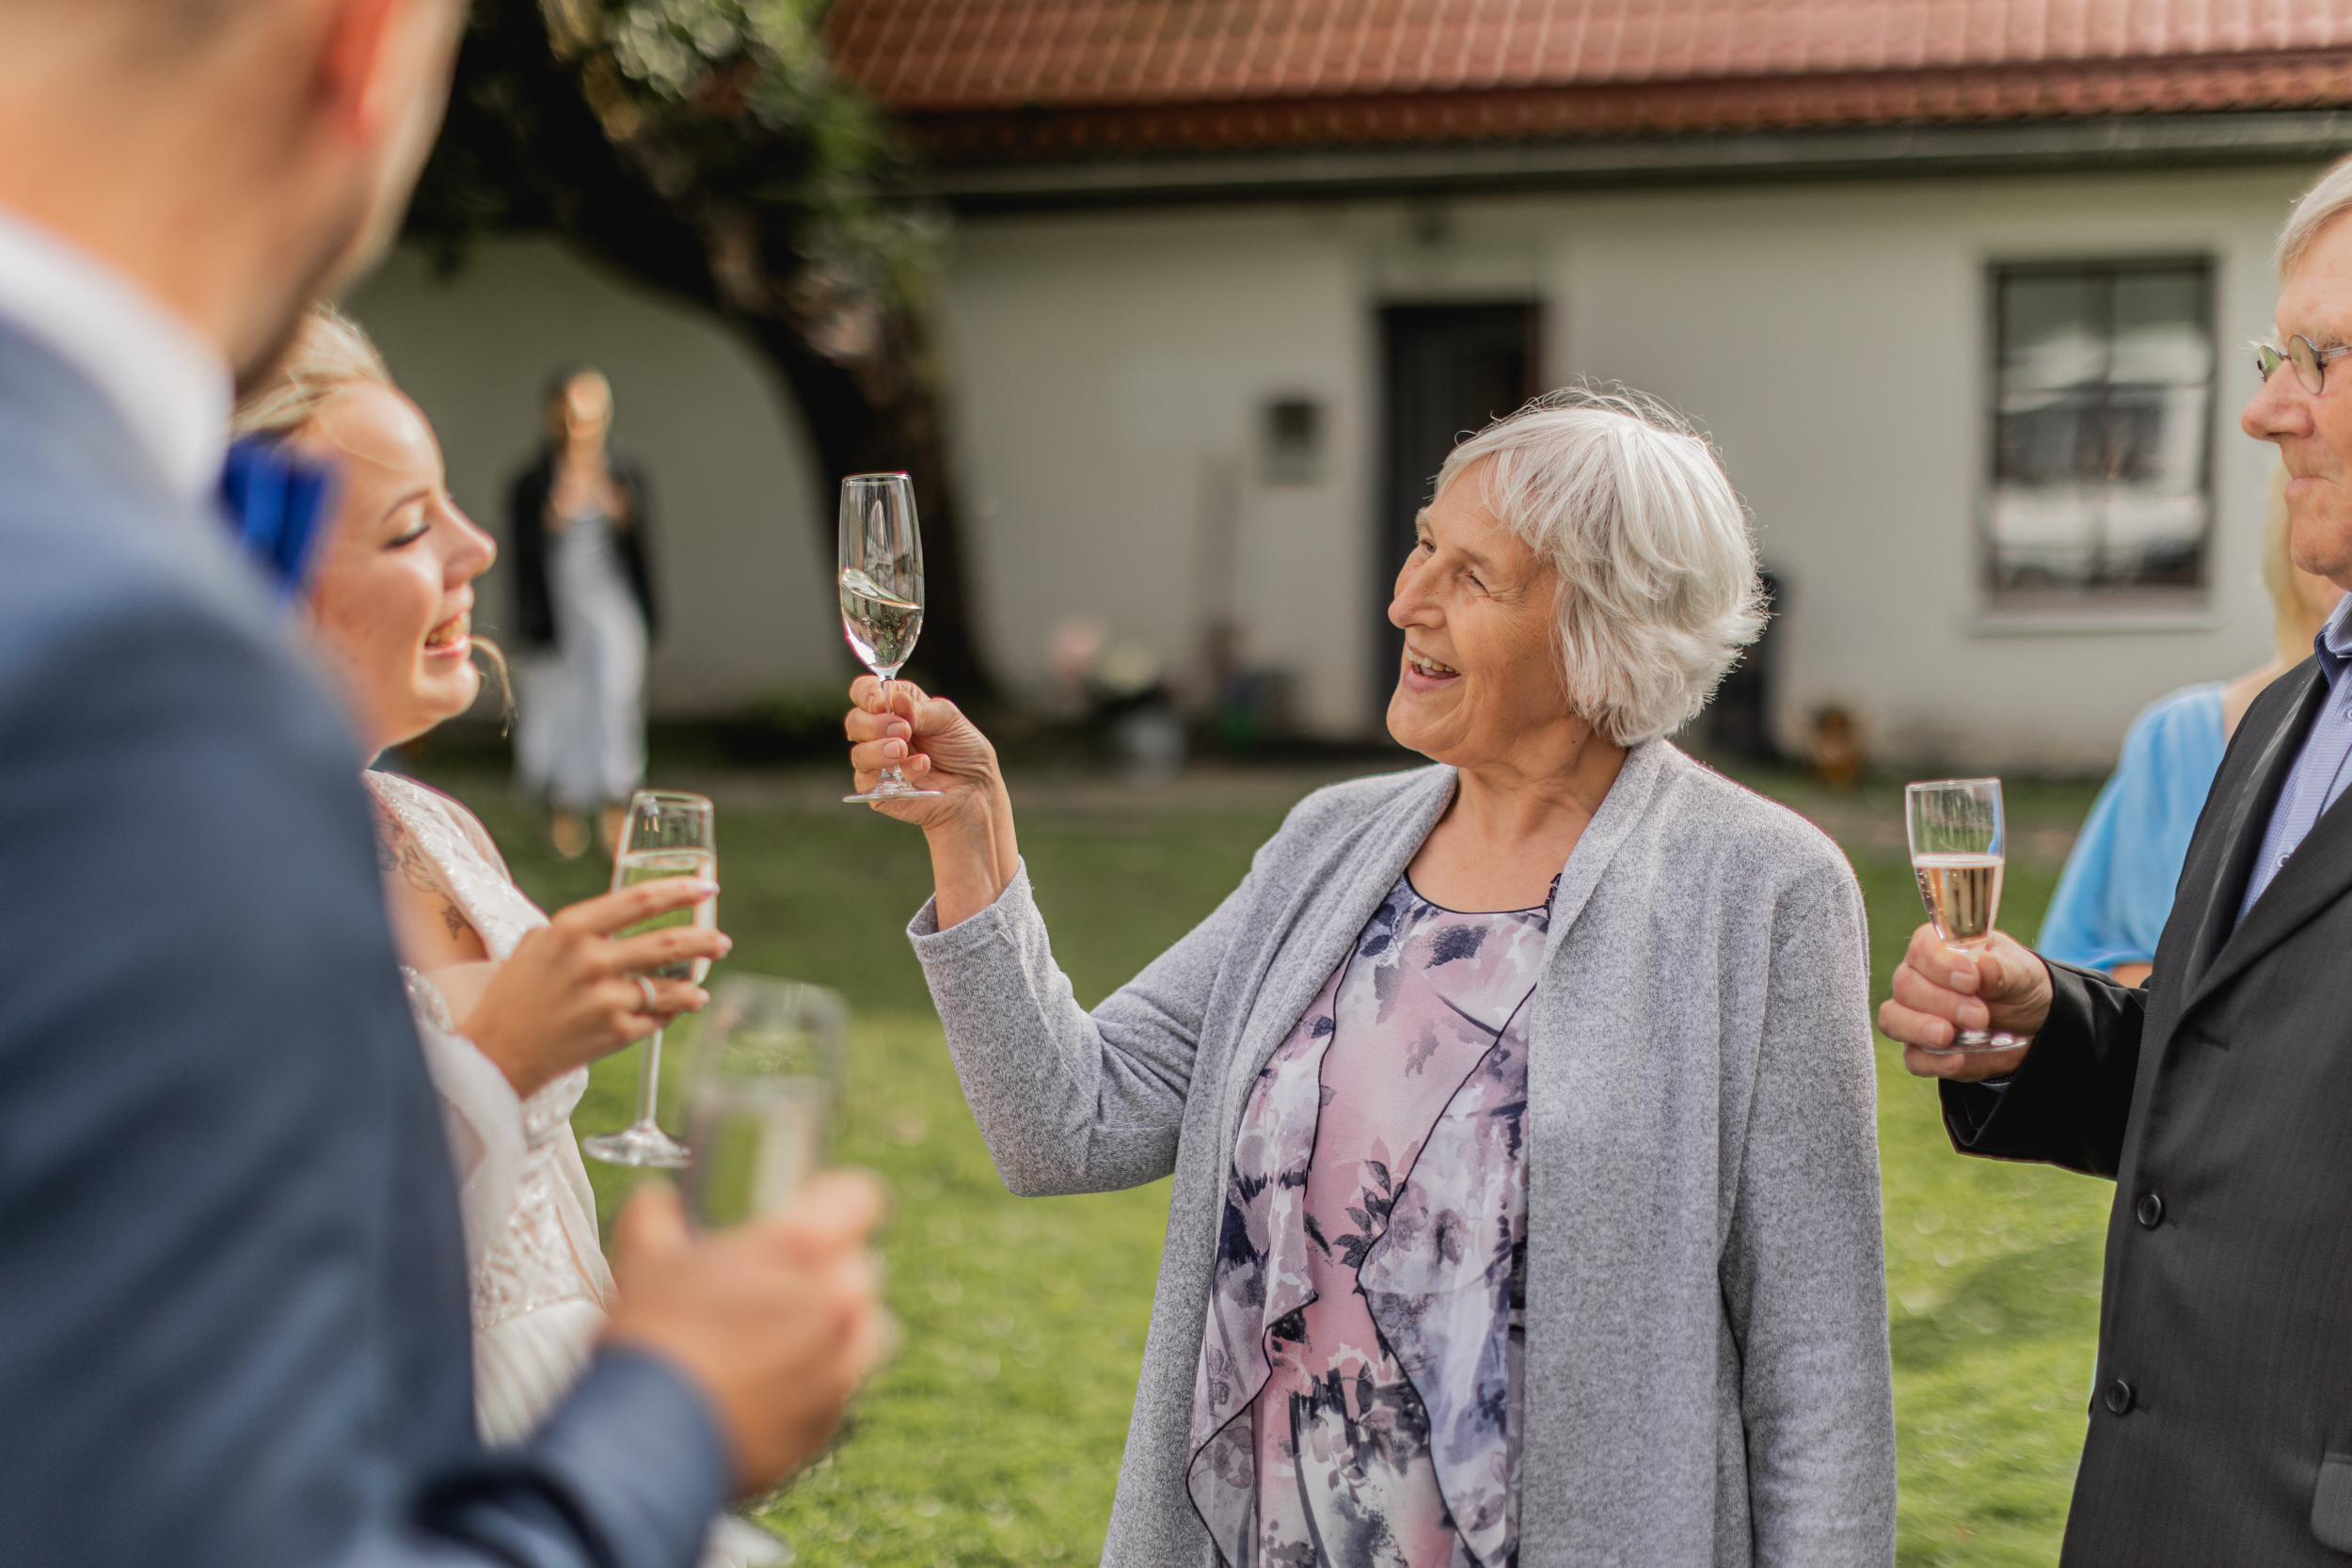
[[708, 150], [994, 1436], [722, 118]]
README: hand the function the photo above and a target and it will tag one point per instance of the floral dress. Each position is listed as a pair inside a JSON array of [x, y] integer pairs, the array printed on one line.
[[1358, 1399]]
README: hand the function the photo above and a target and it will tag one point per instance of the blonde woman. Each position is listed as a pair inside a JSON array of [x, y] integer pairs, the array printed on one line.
[[584, 603], [511, 1006]]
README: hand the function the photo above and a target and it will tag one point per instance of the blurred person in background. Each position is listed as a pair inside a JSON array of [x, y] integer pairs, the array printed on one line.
[[2112, 901], [233, 1328], [510, 1006], [584, 606], [1520, 1108], [2213, 1094]]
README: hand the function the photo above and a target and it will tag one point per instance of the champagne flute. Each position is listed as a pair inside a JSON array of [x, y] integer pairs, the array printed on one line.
[[764, 1096], [881, 591], [1959, 848], [763, 1101], [667, 835]]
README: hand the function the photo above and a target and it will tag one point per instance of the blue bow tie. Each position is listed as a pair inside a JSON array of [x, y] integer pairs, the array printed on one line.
[[274, 503]]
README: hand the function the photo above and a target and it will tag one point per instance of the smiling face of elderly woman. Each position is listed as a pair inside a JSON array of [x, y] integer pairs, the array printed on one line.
[[1479, 674], [1585, 569]]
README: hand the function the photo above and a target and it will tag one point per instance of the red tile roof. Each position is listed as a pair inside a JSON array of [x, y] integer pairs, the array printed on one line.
[[997, 78]]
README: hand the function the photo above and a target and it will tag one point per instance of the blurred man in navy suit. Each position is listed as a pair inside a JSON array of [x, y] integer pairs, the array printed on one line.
[[232, 1296]]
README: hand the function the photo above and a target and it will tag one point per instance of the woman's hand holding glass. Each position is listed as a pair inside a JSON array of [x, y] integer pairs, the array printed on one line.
[[572, 992], [969, 822]]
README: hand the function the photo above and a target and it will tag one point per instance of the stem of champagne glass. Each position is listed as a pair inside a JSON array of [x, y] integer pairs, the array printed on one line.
[[890, 769], [649, 1083]]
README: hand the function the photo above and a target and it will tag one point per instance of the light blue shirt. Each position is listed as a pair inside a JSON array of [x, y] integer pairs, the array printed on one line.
[[2117, 892], [2322, 769]]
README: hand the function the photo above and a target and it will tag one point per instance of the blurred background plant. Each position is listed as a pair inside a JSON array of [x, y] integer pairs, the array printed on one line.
[[708, 150]]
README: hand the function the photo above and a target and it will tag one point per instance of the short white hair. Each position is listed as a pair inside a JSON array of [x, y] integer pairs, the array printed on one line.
[[1629, 505], [2329, 199]]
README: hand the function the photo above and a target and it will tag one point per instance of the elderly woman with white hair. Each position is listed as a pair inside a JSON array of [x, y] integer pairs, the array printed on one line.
[[1521, 1107]]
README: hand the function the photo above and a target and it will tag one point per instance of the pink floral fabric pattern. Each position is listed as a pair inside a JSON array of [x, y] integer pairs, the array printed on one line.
[[1358, 1396]]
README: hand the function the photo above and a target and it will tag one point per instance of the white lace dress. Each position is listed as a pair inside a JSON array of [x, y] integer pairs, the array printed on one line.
[[540, 1281]]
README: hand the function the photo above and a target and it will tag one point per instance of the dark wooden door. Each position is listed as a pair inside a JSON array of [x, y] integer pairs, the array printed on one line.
[[1446, 370]]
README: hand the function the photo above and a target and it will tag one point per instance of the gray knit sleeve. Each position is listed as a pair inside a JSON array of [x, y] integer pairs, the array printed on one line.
[[1070, 1101]]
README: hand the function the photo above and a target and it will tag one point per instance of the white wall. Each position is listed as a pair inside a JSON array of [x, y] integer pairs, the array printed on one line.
[[1107, 373], [1832, 338], [742, 574], [1834, 343]]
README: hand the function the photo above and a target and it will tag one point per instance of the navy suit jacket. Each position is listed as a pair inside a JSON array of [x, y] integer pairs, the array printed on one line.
[[234, 1325]]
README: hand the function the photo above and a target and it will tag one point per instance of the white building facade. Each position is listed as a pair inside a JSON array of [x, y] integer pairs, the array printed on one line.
[[1121, 378], [1118, 374]]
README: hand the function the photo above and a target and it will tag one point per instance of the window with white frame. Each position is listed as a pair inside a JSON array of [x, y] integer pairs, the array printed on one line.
[[2103, 402]]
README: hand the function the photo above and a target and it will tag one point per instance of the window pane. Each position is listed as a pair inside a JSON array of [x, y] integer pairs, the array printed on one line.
[[2103, 404], [2049, 338]]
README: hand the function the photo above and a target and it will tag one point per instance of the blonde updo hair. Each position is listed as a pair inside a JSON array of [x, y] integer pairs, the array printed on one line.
[[1628, 503], [329, 355]]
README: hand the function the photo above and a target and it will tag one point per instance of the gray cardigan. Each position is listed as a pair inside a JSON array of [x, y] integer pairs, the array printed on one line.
[[1707, 1371]]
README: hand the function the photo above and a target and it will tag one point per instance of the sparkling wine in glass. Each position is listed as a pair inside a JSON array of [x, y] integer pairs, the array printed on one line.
[[667, 835], [881, 590], [1958, 846], [762, 1102], [764, 1096]]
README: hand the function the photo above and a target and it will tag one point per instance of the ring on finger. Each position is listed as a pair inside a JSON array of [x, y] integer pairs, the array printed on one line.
[[646, 986]]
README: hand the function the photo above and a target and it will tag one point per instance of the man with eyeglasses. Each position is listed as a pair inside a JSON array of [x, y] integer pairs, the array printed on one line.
[[2219, 1094]]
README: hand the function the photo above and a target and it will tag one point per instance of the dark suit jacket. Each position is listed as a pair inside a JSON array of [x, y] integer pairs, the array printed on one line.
[[2220, 1097], [526, 536], [232, 1296]]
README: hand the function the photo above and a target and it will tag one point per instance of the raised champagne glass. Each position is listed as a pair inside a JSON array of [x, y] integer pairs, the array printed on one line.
[[667, 835], [1958, 846], [881, 591]]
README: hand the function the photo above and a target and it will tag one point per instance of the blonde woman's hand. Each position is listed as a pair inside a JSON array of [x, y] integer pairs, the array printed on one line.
[[571, 990]]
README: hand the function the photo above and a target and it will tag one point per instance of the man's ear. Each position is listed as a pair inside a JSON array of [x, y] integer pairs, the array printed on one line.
[[362, 90]]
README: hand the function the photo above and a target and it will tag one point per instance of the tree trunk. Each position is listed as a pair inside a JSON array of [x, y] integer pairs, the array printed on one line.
[[543, 136]]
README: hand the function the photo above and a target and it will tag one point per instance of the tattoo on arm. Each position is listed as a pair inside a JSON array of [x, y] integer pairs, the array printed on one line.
[[417, 871], [396, 851]]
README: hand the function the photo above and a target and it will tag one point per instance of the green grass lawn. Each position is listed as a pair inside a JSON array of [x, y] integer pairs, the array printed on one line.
[[994, 1436]]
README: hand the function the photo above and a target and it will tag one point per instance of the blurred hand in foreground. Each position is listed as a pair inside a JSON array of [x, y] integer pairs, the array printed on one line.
[[1940, 990], [974, 852], [569, 994], [777, 1323]]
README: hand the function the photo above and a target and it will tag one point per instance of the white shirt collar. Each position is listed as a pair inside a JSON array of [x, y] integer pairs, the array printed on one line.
[[170, 386]]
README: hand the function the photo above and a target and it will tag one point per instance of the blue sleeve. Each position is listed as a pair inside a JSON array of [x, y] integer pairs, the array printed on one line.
[[2117, 891], [234, 1325]]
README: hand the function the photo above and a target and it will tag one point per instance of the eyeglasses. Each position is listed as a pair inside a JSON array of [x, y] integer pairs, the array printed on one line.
[[2309, 360]]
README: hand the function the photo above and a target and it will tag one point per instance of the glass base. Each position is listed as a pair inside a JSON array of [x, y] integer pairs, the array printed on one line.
[[1969, 1042], [647, 1146], [887, 791]]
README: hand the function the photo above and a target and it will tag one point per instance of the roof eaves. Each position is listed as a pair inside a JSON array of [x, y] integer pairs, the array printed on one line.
[[1878, 151]]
